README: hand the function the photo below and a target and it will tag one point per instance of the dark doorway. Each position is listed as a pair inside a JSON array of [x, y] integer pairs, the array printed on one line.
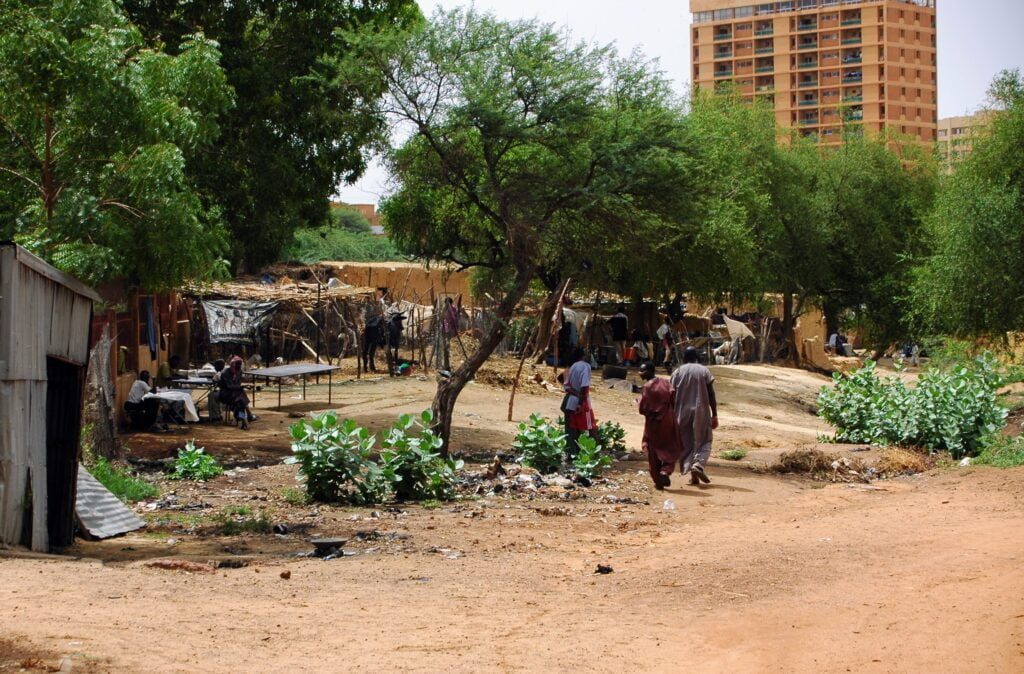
[[63, 421]]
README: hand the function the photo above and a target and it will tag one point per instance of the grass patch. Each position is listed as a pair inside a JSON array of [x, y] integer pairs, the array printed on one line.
[[122, 483], [237, 511], [173, 519], [232, 525], [733, 454], [295, 496], [1004, 452]]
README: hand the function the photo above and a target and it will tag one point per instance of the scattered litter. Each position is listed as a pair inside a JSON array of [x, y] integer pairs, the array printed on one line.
[[966, 461], [232, 564], [669, 505], [280, 529], [603, 569], [555, 511]]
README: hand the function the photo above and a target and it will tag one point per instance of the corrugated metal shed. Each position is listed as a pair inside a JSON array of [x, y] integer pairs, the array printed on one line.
[[45, 320], [99, 512]]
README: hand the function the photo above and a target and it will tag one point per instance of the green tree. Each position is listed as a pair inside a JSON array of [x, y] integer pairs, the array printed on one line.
[[349, 220], [527, 151], [96, 131], [299, 128], [973, 281]]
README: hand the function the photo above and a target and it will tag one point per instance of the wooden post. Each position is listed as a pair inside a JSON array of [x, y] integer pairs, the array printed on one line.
[[519, 371]]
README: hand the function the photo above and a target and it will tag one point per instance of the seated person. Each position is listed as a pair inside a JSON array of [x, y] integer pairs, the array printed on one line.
[[232, 394], [143, 411]]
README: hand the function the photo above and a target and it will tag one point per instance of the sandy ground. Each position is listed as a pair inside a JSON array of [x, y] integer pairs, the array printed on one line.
[[755, 572]]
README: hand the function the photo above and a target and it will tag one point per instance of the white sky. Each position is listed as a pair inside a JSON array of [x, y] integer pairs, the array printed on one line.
[[977, 39]]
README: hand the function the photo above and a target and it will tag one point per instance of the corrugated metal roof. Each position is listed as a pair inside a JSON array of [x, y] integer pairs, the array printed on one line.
[[99, 512], [41, 267]]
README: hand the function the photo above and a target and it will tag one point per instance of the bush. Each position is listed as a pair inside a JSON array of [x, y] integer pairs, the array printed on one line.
[[591, 460], [613, 437], [733, 454], [1003, 452], [328, 243], [335, 460], [421, 471], [122, 483], [955, 410], [193, 463], [541, 444]]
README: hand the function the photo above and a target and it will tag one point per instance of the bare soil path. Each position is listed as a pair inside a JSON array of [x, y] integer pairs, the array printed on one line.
[[753, 573]]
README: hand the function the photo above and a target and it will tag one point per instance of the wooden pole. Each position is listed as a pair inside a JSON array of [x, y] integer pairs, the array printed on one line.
[[519, 371]]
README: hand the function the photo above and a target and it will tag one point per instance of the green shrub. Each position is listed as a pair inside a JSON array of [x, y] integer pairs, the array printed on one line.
[[193, 463], [1003, 452], [613, 437], [421, 471], [239, 520], [733, 454], [955, 410], [335, 460], [541, 444], [317, 244], [591, 459], [122, 483], [295, 496]]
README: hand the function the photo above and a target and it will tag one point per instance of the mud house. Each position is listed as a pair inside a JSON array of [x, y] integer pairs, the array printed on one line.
[[45, 319]]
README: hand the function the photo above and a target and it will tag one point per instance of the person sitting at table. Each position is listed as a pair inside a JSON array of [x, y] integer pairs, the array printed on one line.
[[143, 411], [232, 394], [214, 400]]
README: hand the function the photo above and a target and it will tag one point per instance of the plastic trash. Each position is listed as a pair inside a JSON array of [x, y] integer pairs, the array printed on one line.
[[669, 505]]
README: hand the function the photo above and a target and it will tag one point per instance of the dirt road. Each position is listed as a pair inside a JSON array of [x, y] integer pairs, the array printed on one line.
[[753, 573]]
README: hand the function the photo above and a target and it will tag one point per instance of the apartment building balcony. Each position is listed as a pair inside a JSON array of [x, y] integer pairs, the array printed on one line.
[[807, 84], [853, 99], [812, 25], [851, 22], [764, 69], [764, 30], [853, 77], [723, 36], [810, 121], [809, 101], [723, 55], [765, 50], [852, 39], [807, 45], [807, 64]]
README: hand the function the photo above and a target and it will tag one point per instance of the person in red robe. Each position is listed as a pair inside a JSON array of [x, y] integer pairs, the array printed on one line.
[[661, 442]]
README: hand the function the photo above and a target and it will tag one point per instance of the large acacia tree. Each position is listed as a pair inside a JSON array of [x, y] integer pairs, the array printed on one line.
[[96, 132], [527, 152], [298, 129]]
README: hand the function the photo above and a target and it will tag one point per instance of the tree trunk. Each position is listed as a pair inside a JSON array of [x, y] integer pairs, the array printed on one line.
[[544, 325], [99, 402], [788, 328], [448, 389]]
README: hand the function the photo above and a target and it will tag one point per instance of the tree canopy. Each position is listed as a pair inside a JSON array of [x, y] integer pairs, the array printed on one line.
[[299, 128], [973, 281], [96, 131]]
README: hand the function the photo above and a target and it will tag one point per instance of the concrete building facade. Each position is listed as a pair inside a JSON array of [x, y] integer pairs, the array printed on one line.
[[829, 67], [956, 137]]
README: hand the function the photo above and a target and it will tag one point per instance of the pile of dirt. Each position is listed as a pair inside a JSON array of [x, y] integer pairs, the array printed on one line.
[[501, 373], [821, 466]]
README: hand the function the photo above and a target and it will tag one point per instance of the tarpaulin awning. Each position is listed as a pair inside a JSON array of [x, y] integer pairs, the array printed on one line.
[[236, 321], [737, 329]]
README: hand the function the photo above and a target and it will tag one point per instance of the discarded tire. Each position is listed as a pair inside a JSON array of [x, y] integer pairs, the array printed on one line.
[[614, 372]]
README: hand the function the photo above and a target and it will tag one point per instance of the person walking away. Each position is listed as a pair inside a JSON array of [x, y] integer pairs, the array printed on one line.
[[579, 415], [213, 400], [665, 338], [620, 331], [696, 410], [373, 329], [449, 329], [661, 442]]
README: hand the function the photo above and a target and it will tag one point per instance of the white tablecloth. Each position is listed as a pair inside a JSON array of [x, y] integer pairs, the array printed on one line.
[[191, 414]]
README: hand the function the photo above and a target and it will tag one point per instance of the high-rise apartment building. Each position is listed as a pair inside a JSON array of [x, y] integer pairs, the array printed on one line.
[[956, 136], [828, 66]]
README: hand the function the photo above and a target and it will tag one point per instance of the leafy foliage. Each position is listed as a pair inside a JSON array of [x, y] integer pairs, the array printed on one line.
[[97, 132], [972, 282], [335, 458], [1003, 452], [541, 444], [303, 116], [955, 410], [310, 246], [613, 437], [122, 483], [423, 474], [193, 463], [591, 459], [733, 454]]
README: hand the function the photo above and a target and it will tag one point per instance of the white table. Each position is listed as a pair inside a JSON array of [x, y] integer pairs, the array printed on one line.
[[173, 395]]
